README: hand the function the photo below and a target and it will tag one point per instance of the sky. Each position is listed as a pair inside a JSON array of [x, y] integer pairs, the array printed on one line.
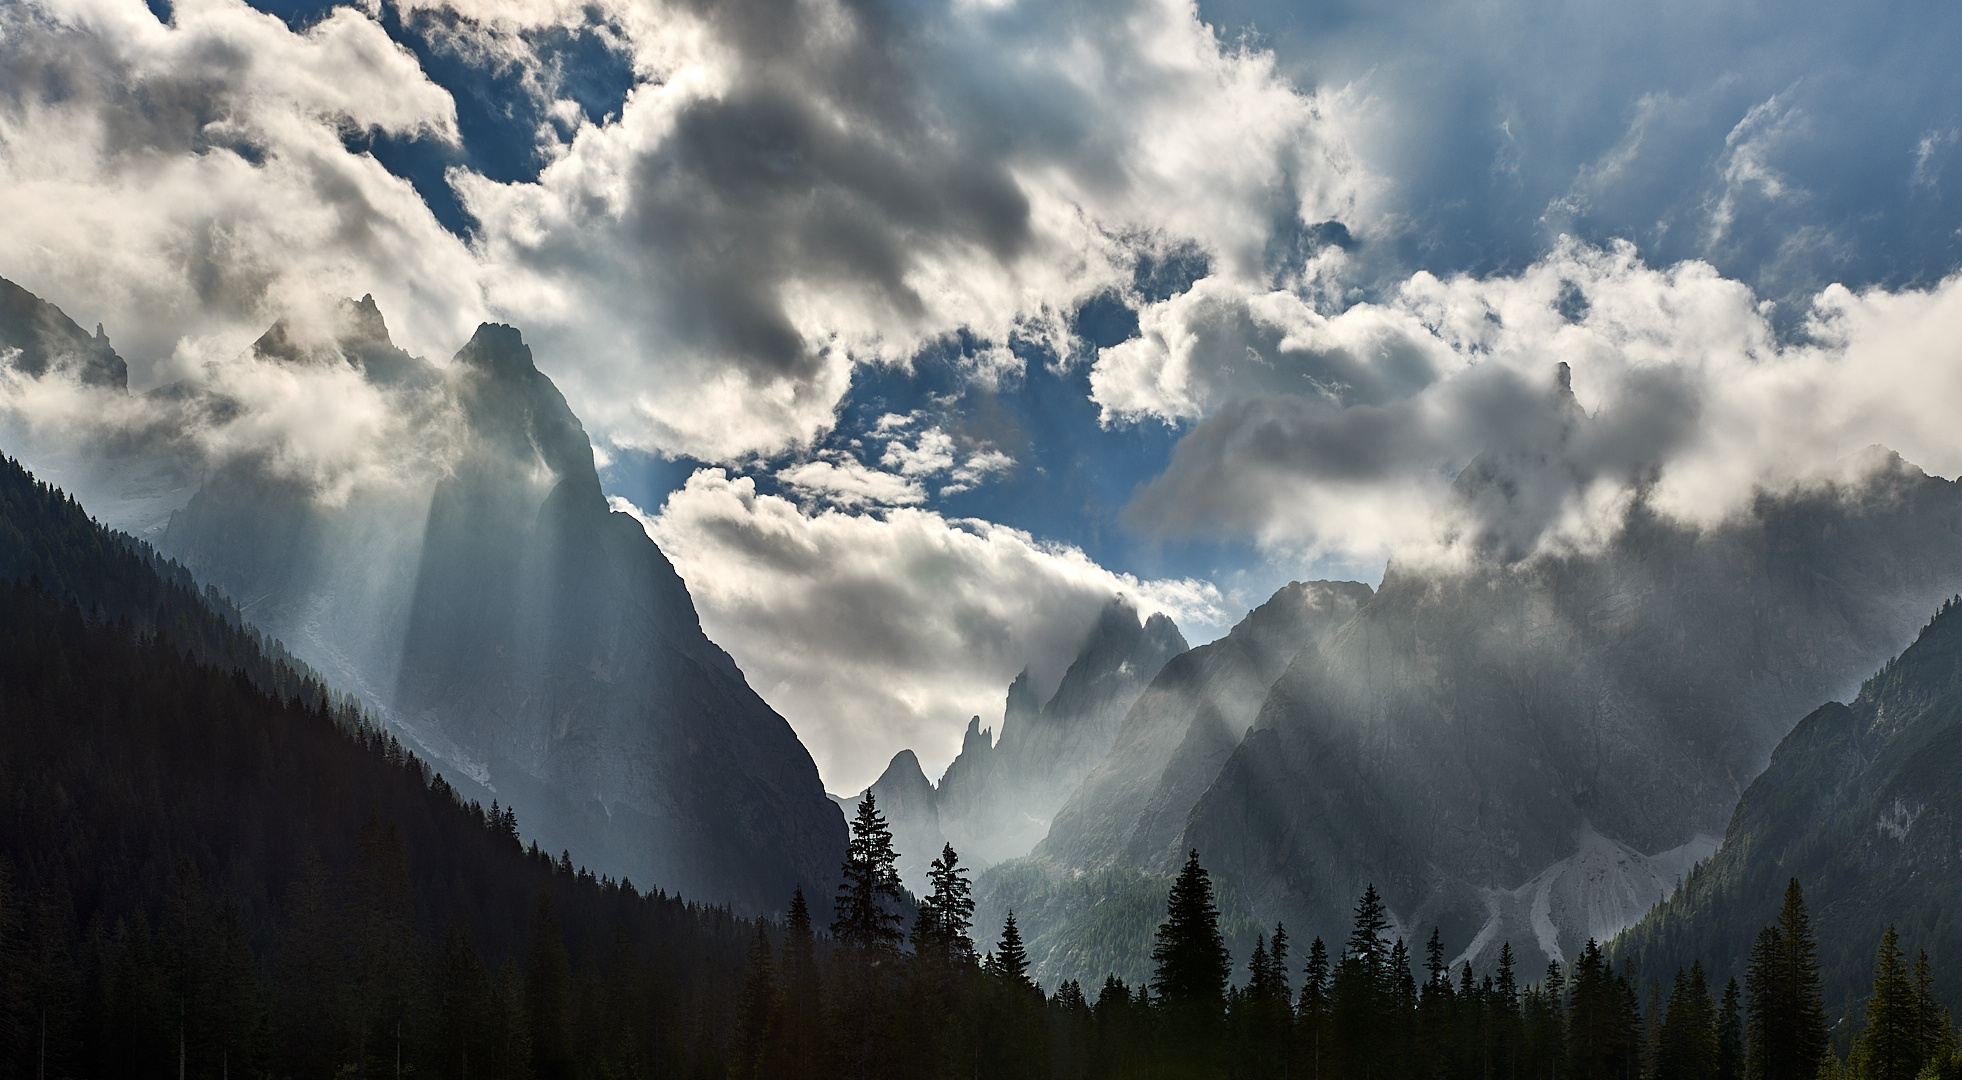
[[913, 330]]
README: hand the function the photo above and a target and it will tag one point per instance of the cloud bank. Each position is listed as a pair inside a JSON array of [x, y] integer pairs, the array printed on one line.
[[1344, 435], [888, 631]]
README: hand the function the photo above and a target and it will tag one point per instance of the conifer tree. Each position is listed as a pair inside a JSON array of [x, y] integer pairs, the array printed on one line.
[[1190, 971], [1010, 961], [1890, 1044], [1730, 1034], [1277, 951], [1362, 988], [1601, 1041], [1259, 970], [756, 1011], [1936, 1034], [802, 990], [1313, 1015], [952, 907], [1434, 964], [870, 895], [1687, 1044], [1189, 957], [1785, 1012]]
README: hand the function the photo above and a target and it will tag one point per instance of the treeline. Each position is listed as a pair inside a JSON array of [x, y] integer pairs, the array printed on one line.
[[197, 877], [48, 541], [921, 1004]]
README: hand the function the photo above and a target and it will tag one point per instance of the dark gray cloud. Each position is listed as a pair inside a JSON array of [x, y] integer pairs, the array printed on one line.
[[812, 184]]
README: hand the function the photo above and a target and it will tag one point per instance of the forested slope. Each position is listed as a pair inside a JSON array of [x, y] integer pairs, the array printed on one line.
[[1862, 803], [259, 881]]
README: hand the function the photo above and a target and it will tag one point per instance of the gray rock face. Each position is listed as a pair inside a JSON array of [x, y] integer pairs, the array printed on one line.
[[536, 645], [1528, 751], [36, 337], [1132, 807], [1862, 803], [996, 799]]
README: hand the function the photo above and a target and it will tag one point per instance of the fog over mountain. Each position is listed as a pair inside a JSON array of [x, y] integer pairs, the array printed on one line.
[[996, 799], [1536, 751], [1528, 412], [532, 644]]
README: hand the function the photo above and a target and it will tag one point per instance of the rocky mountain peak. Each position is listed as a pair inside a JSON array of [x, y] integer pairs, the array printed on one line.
[[499, 350], [42, 338]]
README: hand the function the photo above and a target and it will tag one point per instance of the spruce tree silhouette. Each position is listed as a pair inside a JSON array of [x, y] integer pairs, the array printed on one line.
[[952, 905], [1010, 961], [867, 931], [1785, 1012], [1890, 1047], [870, 896], [1191, 968], [756, 1011], [1191, 965], [803, 995]]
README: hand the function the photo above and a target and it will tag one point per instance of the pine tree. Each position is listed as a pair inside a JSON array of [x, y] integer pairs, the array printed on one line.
[[1598, 1035], [1191, 966], [1190, 971], [1260, 971], [1936, 1034], [1434, 964], [802, 990], [756, 1011], [1313, 1015], [952, 905], [1730, 1035], [1785, 1012], [1890, 1044], [870, 895], [1277, 951], [1687, 1044], [1010, 961], [1363, 989]]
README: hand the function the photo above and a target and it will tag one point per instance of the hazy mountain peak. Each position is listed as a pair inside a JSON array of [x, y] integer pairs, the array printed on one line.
[[538, 646], [47, 340], [352, 331], [499, 350]]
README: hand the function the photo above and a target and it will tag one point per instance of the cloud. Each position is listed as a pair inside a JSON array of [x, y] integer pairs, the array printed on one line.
[[872, 632], [304, 414], [846, 482], [1680, 387], [802, 186], [188, 184]]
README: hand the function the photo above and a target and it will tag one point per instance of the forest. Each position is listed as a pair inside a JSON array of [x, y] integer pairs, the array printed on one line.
[[210, 864]]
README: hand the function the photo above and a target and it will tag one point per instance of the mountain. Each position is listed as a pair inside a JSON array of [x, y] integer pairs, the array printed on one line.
[[996, 799], [1862, 803], [1535, 750], [207, 864], [480, 594], [37, 337], [1131, 808]]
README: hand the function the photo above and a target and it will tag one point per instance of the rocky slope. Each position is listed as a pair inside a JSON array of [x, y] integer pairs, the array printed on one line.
[[537, 646], [1131, 808], [996, 799], [37, 337], [1862, 803], [1534, 751]]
